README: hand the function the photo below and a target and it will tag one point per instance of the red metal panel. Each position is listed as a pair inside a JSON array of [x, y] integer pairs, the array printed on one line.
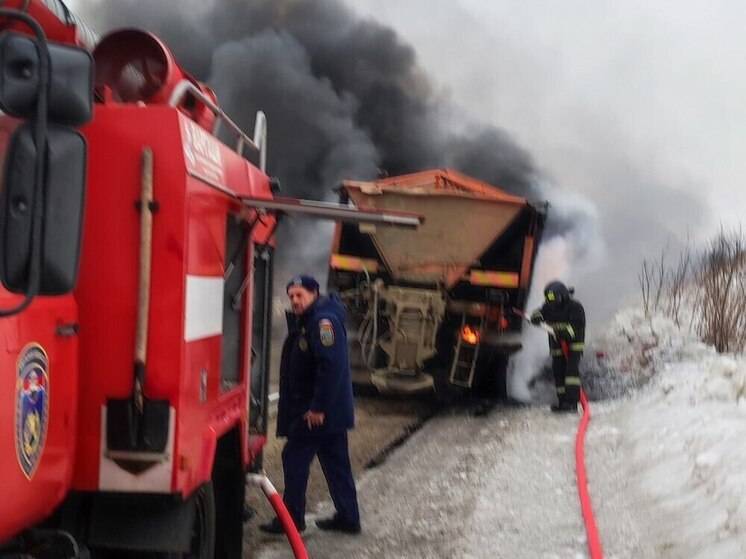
[[188, 250], [107, 291], [29, 497], [206, 222]]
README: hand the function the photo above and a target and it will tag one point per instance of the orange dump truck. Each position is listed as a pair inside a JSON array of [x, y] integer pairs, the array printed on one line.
[[432, 309]]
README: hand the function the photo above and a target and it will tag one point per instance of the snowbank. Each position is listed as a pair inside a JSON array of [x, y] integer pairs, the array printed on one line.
[[684, 437]]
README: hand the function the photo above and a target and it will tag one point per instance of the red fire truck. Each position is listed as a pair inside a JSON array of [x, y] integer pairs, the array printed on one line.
[[136, 262]]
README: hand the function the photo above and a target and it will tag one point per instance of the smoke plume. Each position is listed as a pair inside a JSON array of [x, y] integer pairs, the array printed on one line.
[[344, 96]]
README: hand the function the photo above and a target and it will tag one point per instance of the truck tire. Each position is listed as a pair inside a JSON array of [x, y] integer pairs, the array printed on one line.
[[203, 528]]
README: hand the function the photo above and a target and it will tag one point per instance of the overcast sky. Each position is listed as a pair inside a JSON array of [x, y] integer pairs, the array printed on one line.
[[633, 111]]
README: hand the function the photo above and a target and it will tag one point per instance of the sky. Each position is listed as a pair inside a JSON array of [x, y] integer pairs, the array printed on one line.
[[629, 111]]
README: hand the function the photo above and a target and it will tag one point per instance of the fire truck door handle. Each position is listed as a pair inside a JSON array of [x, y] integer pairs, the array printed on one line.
[[68, 330]]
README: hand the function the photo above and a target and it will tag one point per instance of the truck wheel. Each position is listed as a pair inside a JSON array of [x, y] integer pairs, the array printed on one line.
[[203, 528]]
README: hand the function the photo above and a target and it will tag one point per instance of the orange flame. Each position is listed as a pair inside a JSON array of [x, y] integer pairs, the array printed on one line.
[[470, 335]]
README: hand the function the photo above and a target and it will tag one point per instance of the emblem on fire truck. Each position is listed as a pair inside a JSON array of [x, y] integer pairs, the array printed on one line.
[[32, 407]]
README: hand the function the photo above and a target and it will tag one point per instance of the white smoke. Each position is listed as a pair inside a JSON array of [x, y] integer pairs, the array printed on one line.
[[566, 257]]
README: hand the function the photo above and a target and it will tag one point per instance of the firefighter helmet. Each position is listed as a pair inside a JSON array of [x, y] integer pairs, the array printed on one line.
[[556, 291]]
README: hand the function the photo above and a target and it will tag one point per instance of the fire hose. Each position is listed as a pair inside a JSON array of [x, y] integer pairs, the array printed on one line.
[[294, 539], [594, 541], [586, 506]]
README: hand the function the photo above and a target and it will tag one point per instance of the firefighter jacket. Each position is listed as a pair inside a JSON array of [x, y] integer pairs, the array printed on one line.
[[315, 371], [567, 319]]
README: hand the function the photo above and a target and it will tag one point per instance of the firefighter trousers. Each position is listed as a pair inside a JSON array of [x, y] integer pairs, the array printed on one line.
[[334, 457], [567, 377]]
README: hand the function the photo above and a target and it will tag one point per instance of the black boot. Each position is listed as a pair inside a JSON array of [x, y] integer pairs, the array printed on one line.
[[274, 526], [559, 406], [565, 405], [338, 525], [568, 406]]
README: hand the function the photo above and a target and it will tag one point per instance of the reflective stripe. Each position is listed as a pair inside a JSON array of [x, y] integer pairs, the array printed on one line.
[[557, 353], [572, 381], [566, 326], [578, 346], [494, 279], [561, 390], [536, 315], [353, 264]]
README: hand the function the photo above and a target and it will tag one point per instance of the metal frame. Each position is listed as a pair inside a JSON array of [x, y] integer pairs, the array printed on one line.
[[257, 143]]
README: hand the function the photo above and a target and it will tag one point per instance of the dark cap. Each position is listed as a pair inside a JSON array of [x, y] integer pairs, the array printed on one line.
[[307, 282]]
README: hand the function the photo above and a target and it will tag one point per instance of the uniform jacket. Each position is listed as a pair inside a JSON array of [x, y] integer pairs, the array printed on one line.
[[568, 321], [315, 371]]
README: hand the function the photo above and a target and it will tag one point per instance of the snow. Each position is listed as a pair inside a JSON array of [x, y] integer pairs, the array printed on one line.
[[666, 467], [681, 438]]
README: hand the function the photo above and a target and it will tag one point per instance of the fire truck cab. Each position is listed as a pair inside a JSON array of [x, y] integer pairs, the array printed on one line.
[[133, 388]]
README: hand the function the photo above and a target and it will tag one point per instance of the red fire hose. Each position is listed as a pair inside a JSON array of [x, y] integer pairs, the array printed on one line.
[[594, 542], [296, 543]]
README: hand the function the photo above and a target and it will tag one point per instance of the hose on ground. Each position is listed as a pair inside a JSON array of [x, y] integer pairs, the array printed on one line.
[[274, 498], [594, 542]]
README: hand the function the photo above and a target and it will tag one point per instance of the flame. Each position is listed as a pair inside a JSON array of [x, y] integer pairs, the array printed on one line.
[[470, 335]]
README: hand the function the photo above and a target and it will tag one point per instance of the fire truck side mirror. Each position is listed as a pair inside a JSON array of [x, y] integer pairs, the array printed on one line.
[[69, 98], [70, 88], [64, 189]]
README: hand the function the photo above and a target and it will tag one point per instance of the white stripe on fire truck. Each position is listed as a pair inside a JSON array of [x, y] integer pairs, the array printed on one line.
[[203, 307]]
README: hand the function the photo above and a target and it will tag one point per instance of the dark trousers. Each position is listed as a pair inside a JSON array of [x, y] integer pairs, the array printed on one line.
[[567, 377], [334, 458]]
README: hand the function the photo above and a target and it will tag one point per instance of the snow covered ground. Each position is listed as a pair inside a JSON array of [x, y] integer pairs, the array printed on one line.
[[666, 464], [681, 441]]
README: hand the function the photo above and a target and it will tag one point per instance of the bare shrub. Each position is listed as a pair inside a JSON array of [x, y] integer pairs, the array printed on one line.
[[652, 281], [712, 285], [678, 281], [721, 296]]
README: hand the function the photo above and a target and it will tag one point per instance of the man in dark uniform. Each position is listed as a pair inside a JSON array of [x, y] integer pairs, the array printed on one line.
[[566, 317], [315, 409]]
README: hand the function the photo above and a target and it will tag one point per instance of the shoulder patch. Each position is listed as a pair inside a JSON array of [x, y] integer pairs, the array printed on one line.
[[326, 332]]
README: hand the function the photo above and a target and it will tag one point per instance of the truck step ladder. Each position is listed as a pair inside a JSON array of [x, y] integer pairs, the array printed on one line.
[[465, 357]]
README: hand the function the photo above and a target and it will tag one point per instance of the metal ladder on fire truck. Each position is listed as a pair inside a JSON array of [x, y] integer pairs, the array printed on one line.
[[466, 356]]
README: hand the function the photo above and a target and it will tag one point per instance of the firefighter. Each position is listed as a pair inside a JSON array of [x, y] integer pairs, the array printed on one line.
[[315, 409], [566, 317]]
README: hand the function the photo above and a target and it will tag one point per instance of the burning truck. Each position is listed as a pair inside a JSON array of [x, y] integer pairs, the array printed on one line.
[[433, 309]]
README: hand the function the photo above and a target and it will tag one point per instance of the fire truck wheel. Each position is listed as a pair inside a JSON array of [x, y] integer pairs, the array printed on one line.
[[203, 529]]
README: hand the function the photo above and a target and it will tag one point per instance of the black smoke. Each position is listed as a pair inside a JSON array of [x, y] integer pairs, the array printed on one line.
[[344, 97]]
